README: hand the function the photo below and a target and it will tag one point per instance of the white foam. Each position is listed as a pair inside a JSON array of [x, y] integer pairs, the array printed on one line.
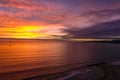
[[74, 73]]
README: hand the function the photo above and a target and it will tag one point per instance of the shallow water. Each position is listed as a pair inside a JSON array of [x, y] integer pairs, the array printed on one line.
[[25, 58]]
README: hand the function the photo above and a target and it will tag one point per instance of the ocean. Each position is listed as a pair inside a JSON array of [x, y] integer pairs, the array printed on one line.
[[21, 59]]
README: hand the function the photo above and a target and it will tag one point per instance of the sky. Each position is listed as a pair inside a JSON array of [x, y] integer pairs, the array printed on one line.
[[59, 19]]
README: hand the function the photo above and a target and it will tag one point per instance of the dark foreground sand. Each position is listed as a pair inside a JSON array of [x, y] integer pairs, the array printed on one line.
[[101, 71]]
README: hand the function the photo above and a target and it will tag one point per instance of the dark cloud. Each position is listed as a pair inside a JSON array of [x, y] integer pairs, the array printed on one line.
[[111, 29], [108, 12], [102, 15]]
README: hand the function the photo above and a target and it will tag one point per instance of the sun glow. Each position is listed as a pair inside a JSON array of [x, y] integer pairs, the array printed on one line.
[[26, 32], [29, 32]]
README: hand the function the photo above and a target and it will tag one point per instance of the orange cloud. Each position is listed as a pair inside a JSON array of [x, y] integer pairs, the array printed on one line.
[[27, 4]]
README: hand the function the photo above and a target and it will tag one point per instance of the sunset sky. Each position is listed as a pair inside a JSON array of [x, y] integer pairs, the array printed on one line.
[[57, 18]]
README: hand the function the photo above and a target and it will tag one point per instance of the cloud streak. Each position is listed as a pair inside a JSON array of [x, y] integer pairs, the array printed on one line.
[[106, 29], [56, 15]]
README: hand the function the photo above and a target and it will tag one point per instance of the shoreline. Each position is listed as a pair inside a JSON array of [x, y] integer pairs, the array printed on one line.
[[99, 71]]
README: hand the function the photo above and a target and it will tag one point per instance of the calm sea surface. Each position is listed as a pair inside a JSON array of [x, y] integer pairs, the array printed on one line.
[[21, 59]]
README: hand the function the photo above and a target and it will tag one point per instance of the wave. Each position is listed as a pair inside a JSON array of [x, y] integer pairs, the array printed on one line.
[[92, 71]]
